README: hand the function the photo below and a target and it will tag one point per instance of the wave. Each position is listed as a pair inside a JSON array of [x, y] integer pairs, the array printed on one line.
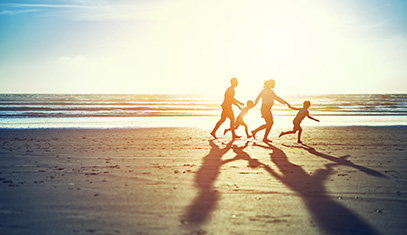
[[88, 105]]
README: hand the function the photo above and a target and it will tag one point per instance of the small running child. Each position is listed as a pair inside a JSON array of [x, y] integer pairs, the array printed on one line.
[[239, 119], [302, 113]]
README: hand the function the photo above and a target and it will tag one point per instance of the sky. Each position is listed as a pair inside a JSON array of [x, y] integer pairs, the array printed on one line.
[[188, 46]]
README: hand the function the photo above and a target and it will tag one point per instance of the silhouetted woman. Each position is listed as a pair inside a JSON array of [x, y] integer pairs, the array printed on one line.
[[268, 96]]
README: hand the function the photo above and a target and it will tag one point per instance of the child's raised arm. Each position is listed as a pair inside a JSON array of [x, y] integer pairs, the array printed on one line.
[[312, 118]]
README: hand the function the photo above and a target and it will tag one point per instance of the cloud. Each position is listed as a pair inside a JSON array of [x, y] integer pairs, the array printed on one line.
[[84, 10], [23, 8], [91, 10], [17, 11]]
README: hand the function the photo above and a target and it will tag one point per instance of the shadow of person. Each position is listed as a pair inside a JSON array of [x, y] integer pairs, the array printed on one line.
[[327, 213], [339, 160], [206, 200], [242, 155]]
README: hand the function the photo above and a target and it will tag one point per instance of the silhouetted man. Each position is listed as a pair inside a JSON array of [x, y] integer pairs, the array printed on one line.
[[227, 111]]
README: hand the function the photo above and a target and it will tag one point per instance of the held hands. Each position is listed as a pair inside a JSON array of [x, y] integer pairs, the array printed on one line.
[[289, 106]]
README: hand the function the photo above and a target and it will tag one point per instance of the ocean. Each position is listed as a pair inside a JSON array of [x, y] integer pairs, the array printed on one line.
[[158, 110]]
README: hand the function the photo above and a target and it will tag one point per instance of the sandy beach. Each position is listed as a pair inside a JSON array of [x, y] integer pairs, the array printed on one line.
[[342, 180]]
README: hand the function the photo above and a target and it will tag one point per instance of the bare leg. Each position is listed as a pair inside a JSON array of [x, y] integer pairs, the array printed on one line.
[[232, 129], [226, 130], [246, 129], [299, 135], [286, 133], [222, 119], [268, 129], [258, 129]]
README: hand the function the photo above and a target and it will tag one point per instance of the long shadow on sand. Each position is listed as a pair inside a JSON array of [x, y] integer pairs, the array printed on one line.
[[343, 161], [327, 212], [206, 200]]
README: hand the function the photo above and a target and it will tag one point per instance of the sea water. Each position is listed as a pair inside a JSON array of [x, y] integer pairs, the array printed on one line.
[[158, 110]]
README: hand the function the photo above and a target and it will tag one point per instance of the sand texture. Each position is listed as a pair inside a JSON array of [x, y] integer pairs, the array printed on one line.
[[342, 180]]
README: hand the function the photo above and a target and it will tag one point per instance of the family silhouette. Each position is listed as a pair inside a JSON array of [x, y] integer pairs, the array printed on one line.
[[268, 97], [326, 211]]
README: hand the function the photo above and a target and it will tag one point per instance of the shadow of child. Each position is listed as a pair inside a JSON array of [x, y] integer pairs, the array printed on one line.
[[327, 212]]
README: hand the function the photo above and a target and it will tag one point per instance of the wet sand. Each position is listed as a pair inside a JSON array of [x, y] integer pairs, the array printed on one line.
[[342, 180]]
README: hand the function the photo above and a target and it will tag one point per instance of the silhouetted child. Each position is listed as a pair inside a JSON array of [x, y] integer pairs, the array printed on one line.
[[302, 113], [239, 119]]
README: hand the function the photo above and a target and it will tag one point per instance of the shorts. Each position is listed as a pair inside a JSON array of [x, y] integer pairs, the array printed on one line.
[[228, 112], [297, 126], [266, 112], [239, 121]]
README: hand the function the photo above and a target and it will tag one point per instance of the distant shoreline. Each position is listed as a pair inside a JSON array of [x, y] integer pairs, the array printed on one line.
[[122, 111], [203, 122]]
